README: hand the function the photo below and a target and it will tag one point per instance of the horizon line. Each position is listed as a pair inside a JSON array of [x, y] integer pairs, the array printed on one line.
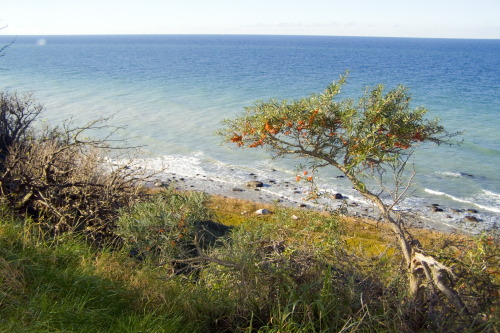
[[239, 34]]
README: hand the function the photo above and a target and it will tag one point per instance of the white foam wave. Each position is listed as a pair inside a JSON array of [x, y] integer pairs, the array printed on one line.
[[177, 164], [455, 174], [435, 192], [450, 174], [488, 208], [491, 209], [492, 194]]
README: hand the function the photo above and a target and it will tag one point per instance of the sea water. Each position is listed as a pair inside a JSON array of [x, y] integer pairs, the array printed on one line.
[[171, 92]]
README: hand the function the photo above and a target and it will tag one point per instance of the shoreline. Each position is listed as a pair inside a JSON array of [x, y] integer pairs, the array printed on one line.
[[265, 196], [172, 111]]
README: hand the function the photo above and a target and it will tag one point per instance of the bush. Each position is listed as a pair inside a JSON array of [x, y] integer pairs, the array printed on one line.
[[169, 228], [60, 177]]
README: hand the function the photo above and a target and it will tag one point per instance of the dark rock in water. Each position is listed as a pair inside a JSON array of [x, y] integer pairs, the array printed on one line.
[[340, 176], [237, 189], [272, 181], [255, 183], [435, 205], [464, 174], [436, 209], [472, 211], [455, 210], [470, 218], [302, 205], [338, 196]]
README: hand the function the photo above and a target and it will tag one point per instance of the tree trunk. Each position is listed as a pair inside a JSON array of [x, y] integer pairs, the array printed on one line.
[[420, 268]]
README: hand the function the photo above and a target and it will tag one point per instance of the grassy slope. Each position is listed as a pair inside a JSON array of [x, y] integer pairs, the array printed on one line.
[[71, 287]]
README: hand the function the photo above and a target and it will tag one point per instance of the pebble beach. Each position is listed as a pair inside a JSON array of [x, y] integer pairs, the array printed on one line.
[[264, 191]]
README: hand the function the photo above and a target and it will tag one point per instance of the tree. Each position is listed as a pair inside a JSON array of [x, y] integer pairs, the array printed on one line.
[[371, 139]]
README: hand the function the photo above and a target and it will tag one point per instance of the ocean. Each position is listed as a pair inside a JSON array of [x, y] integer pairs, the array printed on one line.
[[171, 92]]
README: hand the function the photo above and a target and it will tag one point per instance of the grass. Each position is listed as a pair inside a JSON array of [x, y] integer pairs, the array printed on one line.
[[317, 273], [61, 288]]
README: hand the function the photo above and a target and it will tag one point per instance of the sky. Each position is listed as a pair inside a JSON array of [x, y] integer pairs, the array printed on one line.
[[390, 18]]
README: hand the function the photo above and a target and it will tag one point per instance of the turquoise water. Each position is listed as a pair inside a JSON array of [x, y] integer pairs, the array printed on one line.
[[171, 93]]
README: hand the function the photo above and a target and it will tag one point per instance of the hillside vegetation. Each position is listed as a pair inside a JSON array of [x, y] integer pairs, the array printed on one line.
[[85, 248], [273, 273]]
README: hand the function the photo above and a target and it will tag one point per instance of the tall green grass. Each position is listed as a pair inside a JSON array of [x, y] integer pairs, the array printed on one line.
[[48, 286]]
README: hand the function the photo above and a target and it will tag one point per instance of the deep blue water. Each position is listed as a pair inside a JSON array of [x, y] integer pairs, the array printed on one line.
[[172, 91]]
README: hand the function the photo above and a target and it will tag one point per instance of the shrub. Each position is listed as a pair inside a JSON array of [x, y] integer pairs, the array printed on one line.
[[58, 175], [169, 227]]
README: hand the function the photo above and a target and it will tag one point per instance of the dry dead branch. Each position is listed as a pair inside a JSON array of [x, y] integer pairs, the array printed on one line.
[[60, 177]]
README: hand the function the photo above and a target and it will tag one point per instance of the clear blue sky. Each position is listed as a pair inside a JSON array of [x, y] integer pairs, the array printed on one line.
[[401, 18]]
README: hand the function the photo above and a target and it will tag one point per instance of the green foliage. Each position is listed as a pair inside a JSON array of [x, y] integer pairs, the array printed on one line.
[[375, 133], [379, 125], [164, 227]]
